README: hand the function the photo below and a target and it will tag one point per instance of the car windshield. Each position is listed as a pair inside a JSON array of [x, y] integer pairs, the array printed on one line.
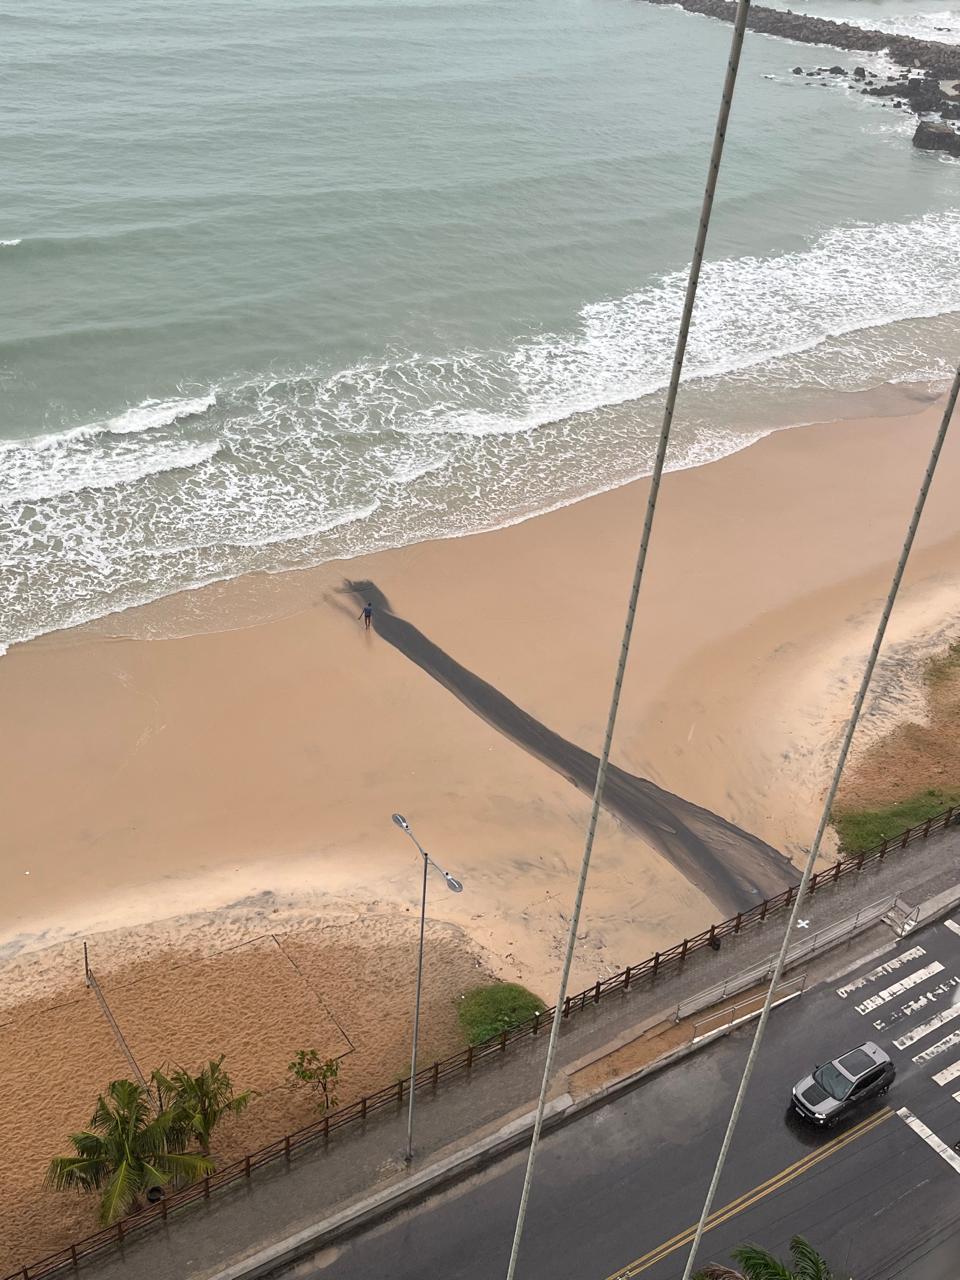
[[831, 1078]]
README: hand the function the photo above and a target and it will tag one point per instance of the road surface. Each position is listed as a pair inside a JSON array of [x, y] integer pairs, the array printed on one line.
[[618, 1191]]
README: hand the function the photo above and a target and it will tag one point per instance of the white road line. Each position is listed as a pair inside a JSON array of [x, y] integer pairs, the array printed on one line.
[[952, 924], [930, 1138], [926, 1028], [940, 1047], [898, 988], [881, 971], [948, 1073], [956, 1097]]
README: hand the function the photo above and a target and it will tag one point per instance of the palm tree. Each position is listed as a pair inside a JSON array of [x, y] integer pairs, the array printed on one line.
[[126, 1151], [758, 1264], [199, 1102]]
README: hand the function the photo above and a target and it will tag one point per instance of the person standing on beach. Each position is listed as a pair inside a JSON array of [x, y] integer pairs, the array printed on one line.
[[366, 615]]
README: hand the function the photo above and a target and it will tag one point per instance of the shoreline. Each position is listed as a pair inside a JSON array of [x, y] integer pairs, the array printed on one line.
[[212, 811], [884, 400], [143, 713]]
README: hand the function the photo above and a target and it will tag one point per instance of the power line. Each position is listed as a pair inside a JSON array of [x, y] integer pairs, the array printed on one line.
[[726, 99], [825, 815]]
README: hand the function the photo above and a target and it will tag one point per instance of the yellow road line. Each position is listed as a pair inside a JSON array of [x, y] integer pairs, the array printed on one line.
[[751, 1197]]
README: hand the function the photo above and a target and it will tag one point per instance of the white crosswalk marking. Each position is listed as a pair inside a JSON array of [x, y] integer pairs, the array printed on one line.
[[940, 1047], [927, 1028], [881, 971], [948, 1073], [930, 1138], [956, 1097], [898, 988], [952, 924]]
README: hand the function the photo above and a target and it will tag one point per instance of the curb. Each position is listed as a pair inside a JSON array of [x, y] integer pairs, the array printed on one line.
[[509, 1138], [445, 1173]]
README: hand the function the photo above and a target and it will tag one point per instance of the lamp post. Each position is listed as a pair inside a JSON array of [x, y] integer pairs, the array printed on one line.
[[454, 886]]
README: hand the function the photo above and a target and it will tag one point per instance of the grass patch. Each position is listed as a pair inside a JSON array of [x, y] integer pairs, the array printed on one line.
[[486, 1011], [861, 829], [944, 666]]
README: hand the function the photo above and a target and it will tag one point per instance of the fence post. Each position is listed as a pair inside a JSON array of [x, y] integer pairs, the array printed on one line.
[[948, 818], [883, 850], [400, 1089], [246, 1167], [120, 1231], [503, 1040], [656, 964], [926, 828], [596, 993], [906, 839], [163, 1208], [206, 1189], [836, 872], [286, 1147], [711, 941], [86, 964], [683, 951], [73, 1253], [860, 862], [763, 909], [566, 1007], [536, 1023], [469, 1056], [436, 1073], [626, 978], [363, 1107], [790, 893], [736, 923], [326, 1129]]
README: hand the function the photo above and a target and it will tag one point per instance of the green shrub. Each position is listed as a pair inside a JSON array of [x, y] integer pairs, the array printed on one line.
[[861, 829], [486, 1011]]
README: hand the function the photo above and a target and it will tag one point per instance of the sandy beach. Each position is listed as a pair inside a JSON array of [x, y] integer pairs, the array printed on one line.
[[222, 766]]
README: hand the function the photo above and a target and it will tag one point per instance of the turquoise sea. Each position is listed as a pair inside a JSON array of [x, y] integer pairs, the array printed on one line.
[[284, 280]]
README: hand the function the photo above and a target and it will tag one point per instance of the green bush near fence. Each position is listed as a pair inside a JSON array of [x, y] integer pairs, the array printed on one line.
[[486, 1011], [862, 829]]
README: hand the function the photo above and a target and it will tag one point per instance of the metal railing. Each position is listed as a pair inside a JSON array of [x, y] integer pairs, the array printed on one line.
[[462, 1064], [724, 1019]]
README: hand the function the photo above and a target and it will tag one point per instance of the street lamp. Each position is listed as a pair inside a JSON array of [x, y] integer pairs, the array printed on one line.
[[454, 886]]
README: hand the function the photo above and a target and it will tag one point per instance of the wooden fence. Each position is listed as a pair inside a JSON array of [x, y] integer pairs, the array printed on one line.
[[462, 1064]]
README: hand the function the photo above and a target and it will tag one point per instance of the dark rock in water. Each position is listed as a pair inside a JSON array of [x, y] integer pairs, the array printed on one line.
[[933, 55], [859, 73], [811, 73], [937, 137], [798, 71], [837, 71]]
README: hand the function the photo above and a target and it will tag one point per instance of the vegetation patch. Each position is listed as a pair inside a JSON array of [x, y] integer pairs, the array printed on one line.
[[486, 1011], [862, 829]]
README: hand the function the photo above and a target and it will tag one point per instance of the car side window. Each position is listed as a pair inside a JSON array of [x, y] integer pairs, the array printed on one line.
[[872, 1077]]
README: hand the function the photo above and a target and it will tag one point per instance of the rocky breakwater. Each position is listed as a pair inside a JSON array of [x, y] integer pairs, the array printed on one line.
[[919, 88]]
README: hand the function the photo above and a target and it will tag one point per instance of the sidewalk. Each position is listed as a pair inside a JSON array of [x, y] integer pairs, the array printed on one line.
[[279, 1200]]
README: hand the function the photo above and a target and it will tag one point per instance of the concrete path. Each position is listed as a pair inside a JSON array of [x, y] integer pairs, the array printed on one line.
[[280, 1200], [619, 1191]]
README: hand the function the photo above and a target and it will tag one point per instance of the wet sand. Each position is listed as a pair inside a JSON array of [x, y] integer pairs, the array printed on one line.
[[150, 776]]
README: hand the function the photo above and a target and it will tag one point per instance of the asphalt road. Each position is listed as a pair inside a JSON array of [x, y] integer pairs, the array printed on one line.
[[617, 1192]]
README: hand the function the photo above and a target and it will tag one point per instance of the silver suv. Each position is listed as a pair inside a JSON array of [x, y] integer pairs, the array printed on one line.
[[839, 1086]]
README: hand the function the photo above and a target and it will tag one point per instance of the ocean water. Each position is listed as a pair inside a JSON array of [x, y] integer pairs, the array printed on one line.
[[288, 280]]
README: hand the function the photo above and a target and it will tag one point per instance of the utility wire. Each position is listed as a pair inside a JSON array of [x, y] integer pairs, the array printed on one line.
[[736, 44], [825, 816]]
